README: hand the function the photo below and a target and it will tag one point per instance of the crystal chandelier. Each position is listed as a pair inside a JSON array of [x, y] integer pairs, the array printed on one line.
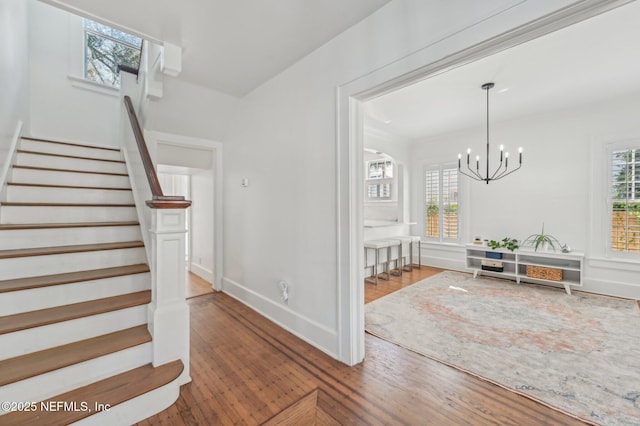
[[503, 168]]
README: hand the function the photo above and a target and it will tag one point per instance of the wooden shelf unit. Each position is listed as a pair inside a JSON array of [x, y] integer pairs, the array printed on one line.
[[515, 264]]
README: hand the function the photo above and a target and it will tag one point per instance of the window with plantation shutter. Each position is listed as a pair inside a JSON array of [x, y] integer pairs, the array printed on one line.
[[441, 204], [625, 200]]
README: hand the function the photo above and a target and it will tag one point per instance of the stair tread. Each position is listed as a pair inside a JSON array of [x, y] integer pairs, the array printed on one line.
[[50, 169], [26, 320], [111, 391], [27, 204], [71, 277], [71, 144], [44, 251], [36, 363], [13, 226], [44, 185], [76, 157]]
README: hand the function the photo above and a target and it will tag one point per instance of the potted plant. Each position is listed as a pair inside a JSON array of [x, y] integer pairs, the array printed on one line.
[[542, 240], [509, 243]]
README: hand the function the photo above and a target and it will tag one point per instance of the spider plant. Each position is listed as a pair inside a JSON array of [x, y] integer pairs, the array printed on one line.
[[541, 240]]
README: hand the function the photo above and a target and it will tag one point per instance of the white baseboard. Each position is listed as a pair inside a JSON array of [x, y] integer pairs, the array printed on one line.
[[306, 329], [201, 271]]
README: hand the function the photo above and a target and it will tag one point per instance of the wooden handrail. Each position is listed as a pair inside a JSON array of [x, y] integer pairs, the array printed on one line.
[[159, 200]]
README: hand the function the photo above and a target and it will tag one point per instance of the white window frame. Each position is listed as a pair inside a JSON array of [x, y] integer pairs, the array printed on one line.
[[608, 213], [85, 32], [440, 239], [391, 181]]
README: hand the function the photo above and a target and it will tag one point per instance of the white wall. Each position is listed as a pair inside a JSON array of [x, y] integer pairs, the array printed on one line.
[[189, 110], [62, 108], [284, 225], [14, 71], [202, 232], [554, 186]]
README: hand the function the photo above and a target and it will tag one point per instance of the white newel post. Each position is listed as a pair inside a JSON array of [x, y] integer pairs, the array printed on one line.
[[169, 311]]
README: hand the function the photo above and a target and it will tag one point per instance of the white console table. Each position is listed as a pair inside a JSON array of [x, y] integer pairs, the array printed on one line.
[[515, 264]]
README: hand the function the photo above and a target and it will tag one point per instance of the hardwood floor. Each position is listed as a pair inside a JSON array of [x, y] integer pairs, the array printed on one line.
[[396, 282], [247, 370], [196, 286]]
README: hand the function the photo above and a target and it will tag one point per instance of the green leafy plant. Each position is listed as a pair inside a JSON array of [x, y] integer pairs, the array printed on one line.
[[541, 239], [509, 243]]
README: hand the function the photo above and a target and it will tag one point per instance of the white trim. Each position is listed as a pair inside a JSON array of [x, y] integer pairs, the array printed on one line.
[[92, 86], [8, 161], [305, 328], [83, 13], [201, 271], [413, 67]]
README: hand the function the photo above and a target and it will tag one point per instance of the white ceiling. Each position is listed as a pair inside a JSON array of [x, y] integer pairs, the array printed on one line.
[[591, 60], [232, 46]]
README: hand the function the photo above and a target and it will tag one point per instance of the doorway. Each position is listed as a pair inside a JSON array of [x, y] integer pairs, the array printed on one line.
[[351, 117]]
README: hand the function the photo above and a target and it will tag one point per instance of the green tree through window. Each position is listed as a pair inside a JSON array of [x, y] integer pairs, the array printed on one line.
[[105, 49], [625, 200]]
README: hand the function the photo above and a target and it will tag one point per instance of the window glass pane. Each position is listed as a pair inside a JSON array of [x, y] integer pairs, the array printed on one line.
[[450, 203], [372, 191], [432, 200], [105, 49], [113, 33], [625, 197]]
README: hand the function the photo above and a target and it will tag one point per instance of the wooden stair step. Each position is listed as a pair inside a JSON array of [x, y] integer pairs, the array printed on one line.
[[44, 185], [25, 204], [26, 320], [44, 251], [77, 157], [71, 144], [14, 226], [41, 362], [70, 277], [109, 392], [50, 169]]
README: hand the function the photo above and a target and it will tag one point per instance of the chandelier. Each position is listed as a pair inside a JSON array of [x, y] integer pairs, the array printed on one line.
[[503, 168]]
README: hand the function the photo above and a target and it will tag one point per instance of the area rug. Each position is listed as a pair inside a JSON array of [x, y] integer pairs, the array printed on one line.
[[579, 354]]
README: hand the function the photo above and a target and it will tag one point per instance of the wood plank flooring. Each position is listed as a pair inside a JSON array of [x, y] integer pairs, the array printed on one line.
[[396, 282], [246, 370], [196, 286]]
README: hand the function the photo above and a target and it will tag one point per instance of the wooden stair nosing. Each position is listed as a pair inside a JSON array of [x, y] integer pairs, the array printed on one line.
[[75, 157], [71, 144], [32, 319], [112, 391], [45, 185], [41, 362], [51, 169], [71, 277], [46, 251], [16, 226], [28, 204]]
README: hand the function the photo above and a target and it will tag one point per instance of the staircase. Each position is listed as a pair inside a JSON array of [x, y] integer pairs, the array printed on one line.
[[74, 290]]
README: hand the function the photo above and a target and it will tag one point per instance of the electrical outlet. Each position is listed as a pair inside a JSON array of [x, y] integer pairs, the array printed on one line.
[[284, 291]]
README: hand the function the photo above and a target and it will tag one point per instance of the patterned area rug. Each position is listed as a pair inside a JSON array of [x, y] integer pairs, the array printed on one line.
[[579, 354]]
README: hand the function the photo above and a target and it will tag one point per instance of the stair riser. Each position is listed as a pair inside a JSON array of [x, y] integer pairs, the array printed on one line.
[[135, 410], [34, 194], [68, 178], [65, 379], [48, 336], [37, 160], [48, 297], [22, 267], [49, 214], [27, 238], [79, 151]]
